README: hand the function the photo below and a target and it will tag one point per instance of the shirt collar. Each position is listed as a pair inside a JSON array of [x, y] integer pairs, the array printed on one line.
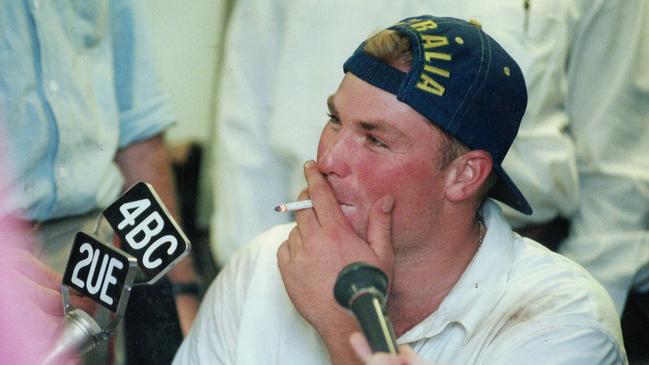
[[480, 287]]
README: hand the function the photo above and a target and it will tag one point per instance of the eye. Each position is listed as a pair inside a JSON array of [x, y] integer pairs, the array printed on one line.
[[375, 141], [333, 120]]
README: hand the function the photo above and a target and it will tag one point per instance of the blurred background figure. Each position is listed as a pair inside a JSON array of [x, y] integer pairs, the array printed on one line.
[[84, 116], [578, 156], [30, 299], [29, 312], [609, 123]]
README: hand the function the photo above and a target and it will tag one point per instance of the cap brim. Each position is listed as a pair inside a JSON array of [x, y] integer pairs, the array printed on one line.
[[506, 191]]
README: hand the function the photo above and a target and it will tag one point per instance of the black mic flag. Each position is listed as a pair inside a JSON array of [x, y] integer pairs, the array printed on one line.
[[152, 241], [363, 288]]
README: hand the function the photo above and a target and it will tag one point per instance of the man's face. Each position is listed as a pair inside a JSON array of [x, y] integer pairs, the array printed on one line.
[[374, 145]]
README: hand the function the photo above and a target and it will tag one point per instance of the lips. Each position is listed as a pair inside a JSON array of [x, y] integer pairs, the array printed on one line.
[[345, 205], [346, 208], [344, 202], [345, 199]]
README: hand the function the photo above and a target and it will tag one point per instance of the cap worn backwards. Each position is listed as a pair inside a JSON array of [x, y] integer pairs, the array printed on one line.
[[463, 82]]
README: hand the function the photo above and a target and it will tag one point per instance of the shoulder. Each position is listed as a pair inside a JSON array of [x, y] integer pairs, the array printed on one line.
[[548, 304], [258, 254], [256, 259], [251, 276], [552, 302], [263, 247], [536, 272]]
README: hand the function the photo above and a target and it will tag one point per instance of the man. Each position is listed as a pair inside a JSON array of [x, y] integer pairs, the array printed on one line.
[[257, 108], [579, 150], [417, 132]]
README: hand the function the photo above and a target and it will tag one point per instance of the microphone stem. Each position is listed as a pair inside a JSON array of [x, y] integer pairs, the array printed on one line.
[[373, 321]]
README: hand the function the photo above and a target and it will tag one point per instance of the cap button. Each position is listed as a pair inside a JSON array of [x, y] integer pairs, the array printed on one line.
[[476, 23]]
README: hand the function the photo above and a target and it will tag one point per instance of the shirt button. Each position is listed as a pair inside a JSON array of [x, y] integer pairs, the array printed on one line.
[[63, 172], [53, 86]]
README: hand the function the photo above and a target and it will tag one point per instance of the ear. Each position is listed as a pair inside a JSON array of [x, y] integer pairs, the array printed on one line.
[[467, 174]]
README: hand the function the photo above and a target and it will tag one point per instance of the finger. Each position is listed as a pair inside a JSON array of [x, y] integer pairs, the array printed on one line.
[[306, 218], [25, 263], [324, 200], [409, 356], [360, 346], [379, 230], [294, 242], [49, 301], [283, 254], [84, 303], [283, 258], [383, 358], [303, 195]]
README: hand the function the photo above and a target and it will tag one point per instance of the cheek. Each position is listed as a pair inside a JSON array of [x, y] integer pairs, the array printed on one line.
[[407, 182]]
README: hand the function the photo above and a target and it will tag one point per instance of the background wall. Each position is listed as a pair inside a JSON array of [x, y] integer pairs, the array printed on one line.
[[186, 39]]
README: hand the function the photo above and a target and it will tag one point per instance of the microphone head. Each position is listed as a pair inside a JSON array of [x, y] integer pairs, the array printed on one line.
[[357, 278]]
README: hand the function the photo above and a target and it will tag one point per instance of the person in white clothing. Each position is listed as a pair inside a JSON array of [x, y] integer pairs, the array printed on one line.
[[407, 166], [263, 106], [579, 145]]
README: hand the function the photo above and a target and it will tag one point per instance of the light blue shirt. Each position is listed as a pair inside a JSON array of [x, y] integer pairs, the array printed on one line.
[[76, 85]]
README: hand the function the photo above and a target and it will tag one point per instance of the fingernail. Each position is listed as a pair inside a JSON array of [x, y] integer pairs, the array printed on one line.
[[309, 163], [387, 204]]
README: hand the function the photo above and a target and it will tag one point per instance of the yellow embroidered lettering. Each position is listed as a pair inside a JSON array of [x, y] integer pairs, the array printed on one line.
[[434, 41], [427, 84], [422, 26], [437, 55], [437, 71]]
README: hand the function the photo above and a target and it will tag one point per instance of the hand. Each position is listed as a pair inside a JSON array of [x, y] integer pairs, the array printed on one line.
[[321, 245], [40, 284], [362, 349], [30, 298]]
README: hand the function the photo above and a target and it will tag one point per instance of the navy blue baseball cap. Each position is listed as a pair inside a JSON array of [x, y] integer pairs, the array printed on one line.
[[463, 82]]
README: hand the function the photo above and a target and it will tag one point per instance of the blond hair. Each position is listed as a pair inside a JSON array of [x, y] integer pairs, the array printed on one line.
[[391, 47]]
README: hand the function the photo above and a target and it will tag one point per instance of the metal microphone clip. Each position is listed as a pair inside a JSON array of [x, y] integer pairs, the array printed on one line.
[[79, 333]]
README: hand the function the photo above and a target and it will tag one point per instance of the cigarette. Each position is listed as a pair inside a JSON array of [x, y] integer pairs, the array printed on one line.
[[289, 207]]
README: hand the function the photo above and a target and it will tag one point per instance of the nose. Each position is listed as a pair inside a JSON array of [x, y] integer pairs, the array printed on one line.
[[334, 153]]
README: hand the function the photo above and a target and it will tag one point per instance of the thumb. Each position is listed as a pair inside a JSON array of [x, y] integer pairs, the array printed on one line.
[[360, 346], [379, 229]]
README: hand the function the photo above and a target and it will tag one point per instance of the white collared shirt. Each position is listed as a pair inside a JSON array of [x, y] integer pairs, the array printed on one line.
[[516, 303]]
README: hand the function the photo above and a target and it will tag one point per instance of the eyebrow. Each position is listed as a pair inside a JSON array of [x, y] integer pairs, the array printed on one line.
[[368, 125]]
